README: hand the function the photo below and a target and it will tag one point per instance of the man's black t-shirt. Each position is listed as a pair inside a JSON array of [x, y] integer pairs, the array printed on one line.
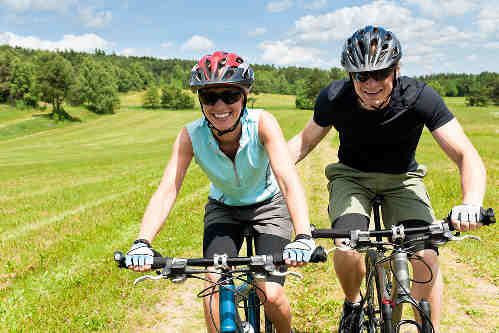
[[384, 140]]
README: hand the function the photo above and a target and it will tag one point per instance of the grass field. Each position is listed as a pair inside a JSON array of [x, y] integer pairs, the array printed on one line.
[[72, 193]]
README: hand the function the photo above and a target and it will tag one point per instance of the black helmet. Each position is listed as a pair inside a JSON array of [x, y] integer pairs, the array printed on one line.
[[370, 49]]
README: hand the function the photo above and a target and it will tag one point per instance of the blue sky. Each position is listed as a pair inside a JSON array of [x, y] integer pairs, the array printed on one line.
[[437, 35]]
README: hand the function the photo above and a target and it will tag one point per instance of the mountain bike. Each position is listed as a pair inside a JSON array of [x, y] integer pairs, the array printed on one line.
[[239, 304], [388, 279]]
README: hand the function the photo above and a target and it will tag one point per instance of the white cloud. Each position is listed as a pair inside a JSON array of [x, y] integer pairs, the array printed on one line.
[[197, 43], [166, 45], [288, 53], [439, 8], [316, 4], [340, 24], [488, 20], [42, 5], [257, 32], [472, 57], [279, 6], [86, 42], [95, 20]]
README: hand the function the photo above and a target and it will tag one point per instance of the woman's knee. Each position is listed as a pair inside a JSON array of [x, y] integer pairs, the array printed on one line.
[[273, 293]]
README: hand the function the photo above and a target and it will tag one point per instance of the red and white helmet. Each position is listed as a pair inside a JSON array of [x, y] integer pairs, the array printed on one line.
[[221, 68]]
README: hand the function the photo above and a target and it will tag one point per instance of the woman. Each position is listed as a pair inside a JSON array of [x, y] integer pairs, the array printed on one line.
[[245, 156]]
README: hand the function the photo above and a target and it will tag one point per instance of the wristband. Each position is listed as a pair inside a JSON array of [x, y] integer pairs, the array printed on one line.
[[142, 240], [302, 236]]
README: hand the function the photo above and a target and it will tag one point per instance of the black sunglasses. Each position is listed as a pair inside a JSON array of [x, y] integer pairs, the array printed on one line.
[[379, 75], [227, 96]]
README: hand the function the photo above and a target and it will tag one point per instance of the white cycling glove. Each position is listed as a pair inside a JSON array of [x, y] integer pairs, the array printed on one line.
[[466, 213], [300, 250], [140, 254]]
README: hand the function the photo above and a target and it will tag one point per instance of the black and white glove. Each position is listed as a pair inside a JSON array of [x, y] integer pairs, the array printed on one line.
[[141, 253], [466, 213], [300, 250]]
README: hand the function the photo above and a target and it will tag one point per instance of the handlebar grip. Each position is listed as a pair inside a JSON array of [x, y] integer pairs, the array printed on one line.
[[488, 216], [158, 262], [120, 259], [319, 255]]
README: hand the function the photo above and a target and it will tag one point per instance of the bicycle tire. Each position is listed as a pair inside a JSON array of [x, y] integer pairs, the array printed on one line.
[[376, 282], [269, 328]]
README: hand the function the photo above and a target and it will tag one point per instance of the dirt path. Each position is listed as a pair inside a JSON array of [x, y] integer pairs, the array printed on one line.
[[471, 303]]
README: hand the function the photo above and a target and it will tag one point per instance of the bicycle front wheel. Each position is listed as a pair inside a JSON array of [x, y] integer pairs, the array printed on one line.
[[378, 314]]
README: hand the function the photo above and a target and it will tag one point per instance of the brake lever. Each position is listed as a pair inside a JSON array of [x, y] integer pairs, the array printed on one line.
[[148, 277], [277, 273], [456, 237]]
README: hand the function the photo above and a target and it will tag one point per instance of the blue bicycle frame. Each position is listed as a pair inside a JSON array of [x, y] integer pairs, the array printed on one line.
[[227, 295]]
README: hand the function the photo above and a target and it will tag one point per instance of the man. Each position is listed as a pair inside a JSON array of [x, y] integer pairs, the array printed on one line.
[[380, 117]]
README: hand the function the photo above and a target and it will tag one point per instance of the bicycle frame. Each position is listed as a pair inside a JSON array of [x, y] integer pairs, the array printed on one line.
[[229, 316], [394, 291]]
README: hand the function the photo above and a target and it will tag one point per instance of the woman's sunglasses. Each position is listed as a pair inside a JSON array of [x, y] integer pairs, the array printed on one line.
[[227, 96], [379, 75]]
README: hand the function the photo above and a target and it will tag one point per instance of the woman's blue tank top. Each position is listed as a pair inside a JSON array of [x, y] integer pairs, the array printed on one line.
[[246, 180]]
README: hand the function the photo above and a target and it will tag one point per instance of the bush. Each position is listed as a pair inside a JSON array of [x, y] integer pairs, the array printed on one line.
[[175, 98], [151, 98]]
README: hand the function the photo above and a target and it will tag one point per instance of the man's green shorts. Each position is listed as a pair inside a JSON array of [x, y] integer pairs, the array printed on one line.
[[404, 195]]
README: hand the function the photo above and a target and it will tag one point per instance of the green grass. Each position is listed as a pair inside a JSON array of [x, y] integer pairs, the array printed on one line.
[[74, 192]]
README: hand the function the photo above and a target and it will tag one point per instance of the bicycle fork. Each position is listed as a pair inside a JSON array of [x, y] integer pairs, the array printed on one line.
[[401, 294]]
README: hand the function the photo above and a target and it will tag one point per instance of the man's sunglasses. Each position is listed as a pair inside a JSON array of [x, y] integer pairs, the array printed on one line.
[[379, 75], [227, 96]]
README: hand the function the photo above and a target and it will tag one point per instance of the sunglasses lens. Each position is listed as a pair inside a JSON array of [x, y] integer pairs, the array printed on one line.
[[361, 77], [382, 74], [379, 75], [207, 98], [230, 96], [227, 96]]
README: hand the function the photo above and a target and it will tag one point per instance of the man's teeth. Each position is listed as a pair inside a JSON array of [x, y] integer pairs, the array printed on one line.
[[221, 115]]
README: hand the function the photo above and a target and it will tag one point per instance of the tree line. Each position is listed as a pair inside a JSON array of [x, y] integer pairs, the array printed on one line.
[[94, 80]]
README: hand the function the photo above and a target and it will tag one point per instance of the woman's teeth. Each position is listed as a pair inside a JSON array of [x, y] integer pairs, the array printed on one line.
[[221, 115]]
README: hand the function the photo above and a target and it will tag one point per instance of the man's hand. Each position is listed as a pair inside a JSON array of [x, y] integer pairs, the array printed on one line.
[[298, 252], [466, 217], [140, 256]]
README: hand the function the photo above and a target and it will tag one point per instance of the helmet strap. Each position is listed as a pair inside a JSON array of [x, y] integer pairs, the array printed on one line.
[[233, 127]]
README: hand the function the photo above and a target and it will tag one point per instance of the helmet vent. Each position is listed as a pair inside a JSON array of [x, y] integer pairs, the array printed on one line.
[[381, 57], [239, 60], [229, 73], [388, 36], [372, 51], [395, 52]]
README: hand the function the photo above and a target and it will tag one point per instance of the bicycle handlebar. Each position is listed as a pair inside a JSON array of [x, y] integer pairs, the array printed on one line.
[[217, 260], [176, 269], [438, 229], [440, 233]]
